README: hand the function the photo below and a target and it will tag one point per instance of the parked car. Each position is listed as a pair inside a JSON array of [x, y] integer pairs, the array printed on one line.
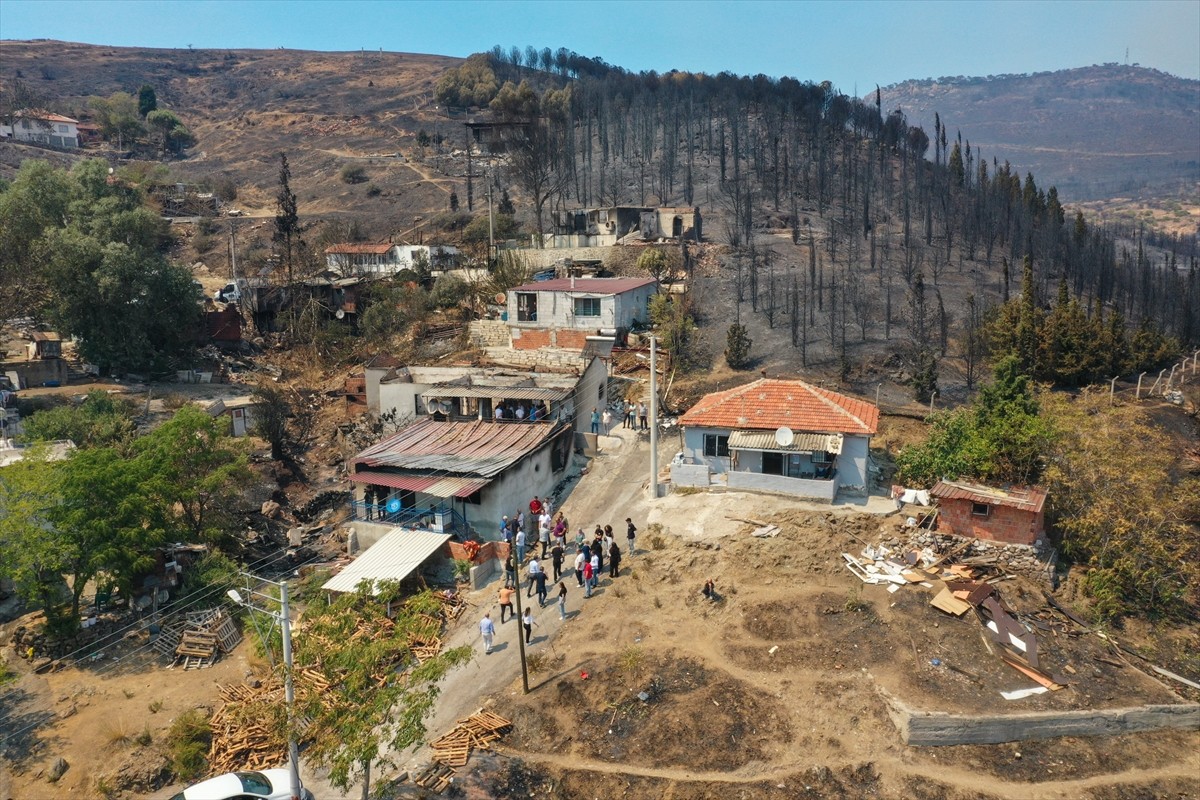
[[230, 292], [268, 784]]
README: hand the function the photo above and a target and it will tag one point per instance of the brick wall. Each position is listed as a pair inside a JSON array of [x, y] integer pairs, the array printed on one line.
[[1003, 523], [570, 339], [487, 551], [531, 340]]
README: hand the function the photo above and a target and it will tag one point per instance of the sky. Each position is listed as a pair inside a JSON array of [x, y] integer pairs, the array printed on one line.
[[856, 45]]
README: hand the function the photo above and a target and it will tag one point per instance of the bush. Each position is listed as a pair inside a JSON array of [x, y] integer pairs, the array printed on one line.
[[449, 291], [374, 191], [354, 173], [188, 741], [737, 347]]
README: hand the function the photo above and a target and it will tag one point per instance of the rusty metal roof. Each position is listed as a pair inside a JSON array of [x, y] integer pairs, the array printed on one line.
[[586, 285], [1025, 498], [482, 448], [438, 487]]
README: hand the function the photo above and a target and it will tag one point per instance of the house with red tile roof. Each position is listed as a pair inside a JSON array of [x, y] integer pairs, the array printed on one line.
[[37, 126], [378, 259], [564, 312], [780, 436]]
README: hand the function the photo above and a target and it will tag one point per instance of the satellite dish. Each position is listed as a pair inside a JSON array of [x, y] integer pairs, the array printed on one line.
[[501, 298], [341, 313], [393, 505], [784, 437]]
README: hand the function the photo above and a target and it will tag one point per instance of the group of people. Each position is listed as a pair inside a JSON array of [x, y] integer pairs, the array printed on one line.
[[633, 415], [551, 533], [520, 412]]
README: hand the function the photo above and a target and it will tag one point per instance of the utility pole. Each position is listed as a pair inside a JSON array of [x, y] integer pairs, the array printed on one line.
[[470, 169], [653, 417], [289, 692], [491, 225], [520, 618], [233, 250]]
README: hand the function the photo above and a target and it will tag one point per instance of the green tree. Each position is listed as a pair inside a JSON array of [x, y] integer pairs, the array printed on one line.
[[147, 100], [471, 84], [1028, 322], [737, 346], [379, 693], [271, 416], [654, 262], [32, 554], [99, 421], [173, 134], [673, 322], [118, 118], [195, 470]]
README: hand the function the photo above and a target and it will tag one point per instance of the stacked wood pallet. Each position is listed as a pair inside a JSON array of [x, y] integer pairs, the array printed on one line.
[[204, 635], [476, 731], [435, 777], [239, 742], [453, 605]]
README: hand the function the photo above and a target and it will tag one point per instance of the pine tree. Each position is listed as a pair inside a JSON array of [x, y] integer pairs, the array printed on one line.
[[1028, 322]]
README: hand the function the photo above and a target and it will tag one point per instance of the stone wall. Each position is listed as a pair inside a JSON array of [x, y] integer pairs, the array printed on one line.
[[547, 359], [489, 333], [546, 257]]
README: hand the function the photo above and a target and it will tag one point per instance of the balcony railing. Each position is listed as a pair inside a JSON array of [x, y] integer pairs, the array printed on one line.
[[440, 517]]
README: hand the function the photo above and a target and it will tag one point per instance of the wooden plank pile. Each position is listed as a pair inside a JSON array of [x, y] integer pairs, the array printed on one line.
[[453, 605], [476, 731], [239, 740], [436, 777], [204, 635]]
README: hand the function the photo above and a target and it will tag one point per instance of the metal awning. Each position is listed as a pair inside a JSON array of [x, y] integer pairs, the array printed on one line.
[[393, 558], [801, 442], [450, 486], [497, 392]]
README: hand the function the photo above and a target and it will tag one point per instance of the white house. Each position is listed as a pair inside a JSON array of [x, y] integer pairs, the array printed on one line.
[[379, 259], [780, 436], [42, 127], [563, 312]]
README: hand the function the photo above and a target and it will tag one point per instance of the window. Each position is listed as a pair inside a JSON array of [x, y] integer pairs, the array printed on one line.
[[980, 509], [715, 445], [62, 128], [526, 306], [587, 306]]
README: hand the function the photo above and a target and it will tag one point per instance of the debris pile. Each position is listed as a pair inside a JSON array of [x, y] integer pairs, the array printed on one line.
[[476, 731], [197, 638], [239, 739], [961, 585]]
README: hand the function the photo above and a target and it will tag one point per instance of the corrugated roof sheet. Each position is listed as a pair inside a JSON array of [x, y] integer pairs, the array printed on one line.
[[801, 442], [506, 392], [770, 404], [1026, 498], [586, 285], [359, 248], [481, 449], [392, 558], [412, 483]]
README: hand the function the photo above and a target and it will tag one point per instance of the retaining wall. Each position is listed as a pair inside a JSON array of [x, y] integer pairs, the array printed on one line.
[[939, 729]]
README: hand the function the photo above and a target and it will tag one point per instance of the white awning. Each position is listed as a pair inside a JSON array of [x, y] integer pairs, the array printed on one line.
[[393, 558], [801, 442]]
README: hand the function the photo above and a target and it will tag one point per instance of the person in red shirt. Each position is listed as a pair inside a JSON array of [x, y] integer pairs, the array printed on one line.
[[535, 507]]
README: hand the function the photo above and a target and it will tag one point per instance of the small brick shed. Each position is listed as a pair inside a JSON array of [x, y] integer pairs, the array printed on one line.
[[1012, 515]]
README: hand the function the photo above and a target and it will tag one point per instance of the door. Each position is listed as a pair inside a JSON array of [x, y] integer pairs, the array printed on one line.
[[239, 422]]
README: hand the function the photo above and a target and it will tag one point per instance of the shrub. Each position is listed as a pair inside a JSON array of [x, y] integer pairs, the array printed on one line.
[[374, 191], [449, 291], [188, 741], [737, 346], [354, 173]]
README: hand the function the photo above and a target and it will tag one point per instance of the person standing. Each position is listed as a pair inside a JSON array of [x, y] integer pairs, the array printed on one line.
[[580, 539], [527, 622], [535, 507], [630, 535], [556, 560], [510, 568], [579, 559], [630, 412], [642, 415], [487, 629], [598, 553], [587, 578], [595, 421], [506, 602], [541, 588], [606, 421], [597, 566], [614, 560], [534, 569], [544, 523], [562, 600], [505, 529], [521, 546]]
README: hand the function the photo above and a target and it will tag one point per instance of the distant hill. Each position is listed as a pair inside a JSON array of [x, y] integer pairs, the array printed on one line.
[[1094, 132]]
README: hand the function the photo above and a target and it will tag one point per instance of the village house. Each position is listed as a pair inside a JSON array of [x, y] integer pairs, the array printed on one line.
[[778, 435], [1012, 515], [461, 477], [42, 127], [567, 312], [38, 362], [604, 227], [474, 393], [380, 259]]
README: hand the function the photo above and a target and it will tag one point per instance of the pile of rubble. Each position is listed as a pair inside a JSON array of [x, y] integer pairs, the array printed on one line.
[[1025, 559]]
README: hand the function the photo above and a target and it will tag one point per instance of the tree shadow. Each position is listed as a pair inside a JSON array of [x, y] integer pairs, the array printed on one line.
[[19, 726]]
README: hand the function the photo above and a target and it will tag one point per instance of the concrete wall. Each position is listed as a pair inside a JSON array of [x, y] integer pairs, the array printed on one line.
[[511, 491], [1003, 523], [398, 395], [38, 372], [693, 448], [689, 475], [547, 257], [852, 463], [924, 728], [817, 490]]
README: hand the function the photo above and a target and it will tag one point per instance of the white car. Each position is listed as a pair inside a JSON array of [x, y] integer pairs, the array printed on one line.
[[268, 784]]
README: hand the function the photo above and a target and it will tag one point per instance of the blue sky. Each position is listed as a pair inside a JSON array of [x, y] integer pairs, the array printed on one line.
[[853, 44]]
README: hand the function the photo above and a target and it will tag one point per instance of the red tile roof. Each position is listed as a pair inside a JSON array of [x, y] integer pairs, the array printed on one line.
[[1025, 498], [589, 285], [359, 248], [768, 404], [45, 116]]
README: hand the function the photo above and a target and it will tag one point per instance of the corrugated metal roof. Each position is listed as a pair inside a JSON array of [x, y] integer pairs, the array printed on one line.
[[457, 487], [801, 442], [413, 483], [1026, 498], [770, 404], [481, 449], [392, 558], [586, 285]]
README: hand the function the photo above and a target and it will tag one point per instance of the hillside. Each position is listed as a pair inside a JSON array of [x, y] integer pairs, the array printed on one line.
[[1094, 132]]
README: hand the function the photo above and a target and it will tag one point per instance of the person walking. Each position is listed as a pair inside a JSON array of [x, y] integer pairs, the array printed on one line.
[[579, 559], [541, 588], [614, 560], [506, 602], [630, 535], [527, 622], [534, 569], [521, 546], [510, 569], [562, 600], [556, 560], [595, 421], [487, 629]]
